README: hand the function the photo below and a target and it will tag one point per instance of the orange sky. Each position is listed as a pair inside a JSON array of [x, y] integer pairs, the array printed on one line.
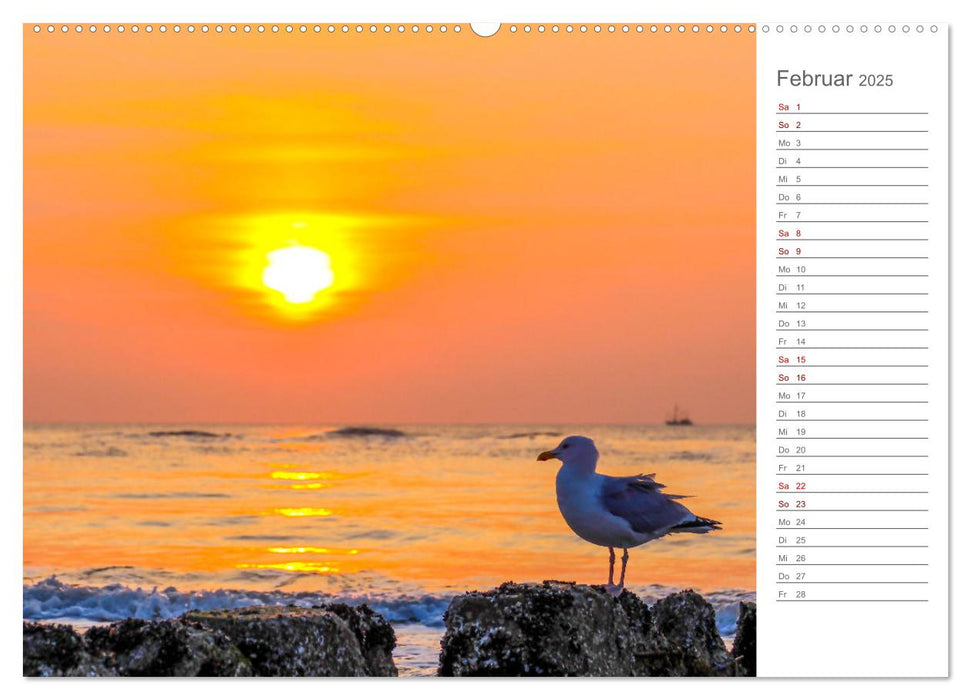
[[524, 228]]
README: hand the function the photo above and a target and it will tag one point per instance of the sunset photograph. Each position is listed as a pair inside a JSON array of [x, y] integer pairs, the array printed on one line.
[[399, 337]]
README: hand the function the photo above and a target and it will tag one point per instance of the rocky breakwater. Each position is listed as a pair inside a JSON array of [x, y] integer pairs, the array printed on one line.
[[564, 629], [330, 640]]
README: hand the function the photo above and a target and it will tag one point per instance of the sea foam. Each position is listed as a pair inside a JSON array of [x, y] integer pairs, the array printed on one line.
[[53, 599]]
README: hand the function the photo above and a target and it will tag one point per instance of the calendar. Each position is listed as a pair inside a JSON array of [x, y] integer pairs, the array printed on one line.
[[435, 349]]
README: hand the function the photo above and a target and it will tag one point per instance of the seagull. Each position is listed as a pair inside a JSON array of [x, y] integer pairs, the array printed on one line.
[[615, 511]]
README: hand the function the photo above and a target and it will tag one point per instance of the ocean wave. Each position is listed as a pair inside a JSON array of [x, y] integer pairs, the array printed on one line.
[[359, 431], [53, 599], [688, 456], [531, 435], [195, 434], [109, 451]]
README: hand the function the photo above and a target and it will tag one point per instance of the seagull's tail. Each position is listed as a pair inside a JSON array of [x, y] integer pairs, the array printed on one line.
[[697, 525]]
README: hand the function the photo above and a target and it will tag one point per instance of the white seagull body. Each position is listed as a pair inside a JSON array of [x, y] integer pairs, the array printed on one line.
[[613, 511]]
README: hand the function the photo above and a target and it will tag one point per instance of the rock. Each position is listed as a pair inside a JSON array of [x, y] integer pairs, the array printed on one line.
[[294, 641], [743, 648], [564, 629], [684, 639], [331, 640], [374, 634], [58, 650], [165, 648], [553, 629]]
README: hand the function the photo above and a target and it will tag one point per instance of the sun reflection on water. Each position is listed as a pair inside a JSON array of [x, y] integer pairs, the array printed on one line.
[[310, 550], [302, 512], [300, 476], [300, 566]]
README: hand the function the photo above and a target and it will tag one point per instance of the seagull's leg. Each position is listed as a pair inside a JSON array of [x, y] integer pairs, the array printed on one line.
[[610, 578], [623, 568]]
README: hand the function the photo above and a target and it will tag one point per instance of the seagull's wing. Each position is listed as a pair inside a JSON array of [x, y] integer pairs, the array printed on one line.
[[641, 502]]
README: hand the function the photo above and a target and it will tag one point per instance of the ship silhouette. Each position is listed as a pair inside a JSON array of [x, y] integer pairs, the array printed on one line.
[[675, 419]]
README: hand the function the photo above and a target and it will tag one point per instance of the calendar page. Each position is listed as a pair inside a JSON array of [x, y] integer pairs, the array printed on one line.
[[437, 349]]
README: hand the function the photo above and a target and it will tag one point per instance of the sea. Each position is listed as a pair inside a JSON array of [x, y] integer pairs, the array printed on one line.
[[150, 521]]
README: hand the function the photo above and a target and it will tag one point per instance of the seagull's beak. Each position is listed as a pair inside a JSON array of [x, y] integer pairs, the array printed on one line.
[[549, 454]]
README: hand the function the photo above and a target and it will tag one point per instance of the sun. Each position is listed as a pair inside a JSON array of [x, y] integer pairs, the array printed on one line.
[[298, 272]]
